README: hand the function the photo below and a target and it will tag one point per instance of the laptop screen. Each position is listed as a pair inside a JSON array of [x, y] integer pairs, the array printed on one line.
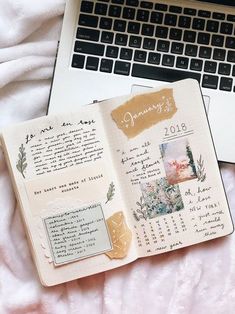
[[224, 2]]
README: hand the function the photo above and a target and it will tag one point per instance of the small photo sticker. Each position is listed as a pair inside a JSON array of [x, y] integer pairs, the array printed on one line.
[[178, 161], [161, 198]]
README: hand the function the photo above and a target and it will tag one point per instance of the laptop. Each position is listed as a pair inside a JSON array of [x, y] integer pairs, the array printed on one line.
[[115, 47]]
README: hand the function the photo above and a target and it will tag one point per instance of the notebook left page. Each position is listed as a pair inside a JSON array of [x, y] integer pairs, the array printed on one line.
[[69, 195]]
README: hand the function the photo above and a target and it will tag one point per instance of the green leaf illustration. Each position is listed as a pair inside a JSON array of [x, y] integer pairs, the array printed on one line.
[[21, 163], [110, 193], [201, 175]]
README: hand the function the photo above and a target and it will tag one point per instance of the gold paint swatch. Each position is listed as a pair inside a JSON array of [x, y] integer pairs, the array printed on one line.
[[142, 111], [120, 234]]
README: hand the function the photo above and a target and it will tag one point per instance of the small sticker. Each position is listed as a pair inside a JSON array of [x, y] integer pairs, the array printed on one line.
[[120, 234]]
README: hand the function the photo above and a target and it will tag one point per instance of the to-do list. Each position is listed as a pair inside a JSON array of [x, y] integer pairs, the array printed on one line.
[[77, 234]]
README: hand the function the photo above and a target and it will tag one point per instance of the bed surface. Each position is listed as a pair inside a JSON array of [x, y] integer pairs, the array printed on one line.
[[199, 279]]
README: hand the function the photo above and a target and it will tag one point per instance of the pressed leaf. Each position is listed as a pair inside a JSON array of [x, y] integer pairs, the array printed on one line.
[[110, 193], [21, 164]]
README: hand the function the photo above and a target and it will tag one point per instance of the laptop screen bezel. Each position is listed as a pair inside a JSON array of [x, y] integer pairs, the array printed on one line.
[[220, 2]]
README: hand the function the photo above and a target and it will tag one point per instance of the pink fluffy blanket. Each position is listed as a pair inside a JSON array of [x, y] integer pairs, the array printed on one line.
[[199, 279]]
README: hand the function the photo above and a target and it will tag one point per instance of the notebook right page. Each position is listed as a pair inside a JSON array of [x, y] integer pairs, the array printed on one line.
[[164, 155]]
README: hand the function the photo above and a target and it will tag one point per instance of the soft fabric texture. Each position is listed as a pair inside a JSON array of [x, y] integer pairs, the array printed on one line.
[[199, 279]]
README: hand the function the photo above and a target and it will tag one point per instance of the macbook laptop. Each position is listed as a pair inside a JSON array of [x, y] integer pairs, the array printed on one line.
[[114, 47]]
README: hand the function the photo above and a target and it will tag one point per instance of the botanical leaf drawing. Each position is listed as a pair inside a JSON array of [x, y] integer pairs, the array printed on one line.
[[110, 193], [141, 211], [201, 170], [21, 164]]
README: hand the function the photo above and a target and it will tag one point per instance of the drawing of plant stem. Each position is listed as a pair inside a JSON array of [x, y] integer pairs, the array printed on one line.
[[201, 170], [110, 193], [21, 164], [142, 211]]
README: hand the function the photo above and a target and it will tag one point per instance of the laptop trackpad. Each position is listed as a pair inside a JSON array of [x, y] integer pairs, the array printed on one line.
[[141, 88]]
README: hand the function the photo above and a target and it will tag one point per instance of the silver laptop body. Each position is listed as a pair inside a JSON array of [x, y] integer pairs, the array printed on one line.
[[113, 47]]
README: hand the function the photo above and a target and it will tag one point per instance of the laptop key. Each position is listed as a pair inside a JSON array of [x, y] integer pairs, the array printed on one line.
[[117, 1], [112, 51], [119, 26], [217, 40], [146, 4], [189, 36], [161, 32], [121, 39], [170, 19], [142, 15], [191, 50], [218, 16], [92, 63], [233, 73], [140, 56], [107, 37], [203, 38], [168, 60], [162, 74], [128, 13], [106, 65], [126, 54], [87, 6], [212, 26], [88, 20], [88, 34], [154, 58], [230, 42], [149, 43], [224, 68], [133, 28], [175, 9], [177, 48], [190, 11], [210, 81], [231, 18], [115, 11], [163, 45], [135, 41], [122, 68], [89, 48], [133, 3], [156, 17], [210, 67], [160, 7], [196, 64], [78, 61], [204, 13], [219, 54], [205, 52], [198, 24], [231, 56], [175, 34], [185, 21], [147, 30], [226, 28], [106, 23], [226, 84], [101, 8], [182, 62]]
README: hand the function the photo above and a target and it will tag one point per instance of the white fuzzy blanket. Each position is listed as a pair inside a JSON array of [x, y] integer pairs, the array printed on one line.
[[199, 279]]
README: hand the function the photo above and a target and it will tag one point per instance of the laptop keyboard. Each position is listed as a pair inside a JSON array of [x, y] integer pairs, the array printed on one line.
[[156, 41]]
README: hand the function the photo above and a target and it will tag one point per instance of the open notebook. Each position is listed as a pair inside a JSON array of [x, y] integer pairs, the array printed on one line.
[[130, 177]]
